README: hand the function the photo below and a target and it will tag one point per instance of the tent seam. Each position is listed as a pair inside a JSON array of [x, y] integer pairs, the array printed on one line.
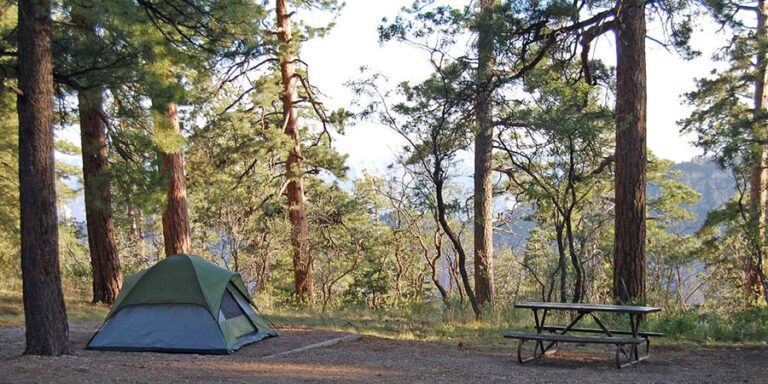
[[209, 307], [127, 295]]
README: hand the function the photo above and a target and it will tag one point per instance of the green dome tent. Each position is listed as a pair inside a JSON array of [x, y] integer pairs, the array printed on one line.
[[182, 304]]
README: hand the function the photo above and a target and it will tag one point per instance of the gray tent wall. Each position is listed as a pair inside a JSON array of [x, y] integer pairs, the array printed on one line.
[[161, 328]]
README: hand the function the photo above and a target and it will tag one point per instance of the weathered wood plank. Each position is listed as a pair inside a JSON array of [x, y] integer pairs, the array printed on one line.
[[634, 309], [573, 338], [598, 330], [326, 343]]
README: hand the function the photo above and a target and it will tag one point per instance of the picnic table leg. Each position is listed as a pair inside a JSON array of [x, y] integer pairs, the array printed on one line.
[[619, 352], [552, 346], [634, 321], [647, 347], [638, 320], [539, 325], [633, 357], [535, 356], [539, 328], [539, 350]]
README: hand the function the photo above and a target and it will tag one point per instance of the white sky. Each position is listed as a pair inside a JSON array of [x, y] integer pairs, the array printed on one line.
[[353, 43]]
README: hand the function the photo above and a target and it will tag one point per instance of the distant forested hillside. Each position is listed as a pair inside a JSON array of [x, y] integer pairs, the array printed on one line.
[[715, 185]]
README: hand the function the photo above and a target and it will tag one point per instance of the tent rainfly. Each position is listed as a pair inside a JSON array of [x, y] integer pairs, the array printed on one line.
[[182, 304]]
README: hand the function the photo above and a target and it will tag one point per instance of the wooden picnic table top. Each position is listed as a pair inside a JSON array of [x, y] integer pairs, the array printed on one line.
[[580, 307]]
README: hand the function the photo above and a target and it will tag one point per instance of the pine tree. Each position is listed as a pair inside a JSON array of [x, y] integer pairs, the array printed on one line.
[[288, 46], [176, 227], [302, 260], [105, 263], [735, 130], [630, 157], [189, 42], [627, 19], [483, 199], [47, 331]]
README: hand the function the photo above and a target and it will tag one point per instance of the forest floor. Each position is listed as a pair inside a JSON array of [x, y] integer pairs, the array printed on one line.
[[374, 359]]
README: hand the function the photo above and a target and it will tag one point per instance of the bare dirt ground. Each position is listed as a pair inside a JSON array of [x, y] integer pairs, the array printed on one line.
[[374, 360]]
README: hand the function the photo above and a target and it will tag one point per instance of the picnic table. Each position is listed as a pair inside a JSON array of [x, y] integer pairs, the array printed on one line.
[[547, 337]]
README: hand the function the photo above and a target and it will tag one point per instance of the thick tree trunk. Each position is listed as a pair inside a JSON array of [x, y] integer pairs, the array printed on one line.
[[483, 199], [302, 260], [45, 317], [105, 264], [629, 237], [176, 230], [759, 177]]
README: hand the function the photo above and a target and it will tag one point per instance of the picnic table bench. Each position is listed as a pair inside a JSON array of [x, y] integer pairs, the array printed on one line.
[[547, 337]]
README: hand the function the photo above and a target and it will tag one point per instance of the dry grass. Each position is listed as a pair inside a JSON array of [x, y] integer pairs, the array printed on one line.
[[79, 309], [445, 325]]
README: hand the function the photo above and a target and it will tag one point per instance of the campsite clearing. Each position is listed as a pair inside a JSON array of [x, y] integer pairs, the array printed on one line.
[[370, 359]]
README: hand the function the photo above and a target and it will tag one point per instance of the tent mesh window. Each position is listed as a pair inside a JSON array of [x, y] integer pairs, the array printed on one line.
[[229, 306]]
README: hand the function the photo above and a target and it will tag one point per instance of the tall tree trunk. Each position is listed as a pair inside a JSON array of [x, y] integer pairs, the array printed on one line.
[[759, 177], [629, 237], [483, 199], [302, 260], [176, 230], [45, 317], [105, 263]]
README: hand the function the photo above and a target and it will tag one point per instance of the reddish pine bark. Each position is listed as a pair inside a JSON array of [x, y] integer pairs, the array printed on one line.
[[105, 263], [483, 199], [630, 232], [302, 260], [45, 317], [176, 230]]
